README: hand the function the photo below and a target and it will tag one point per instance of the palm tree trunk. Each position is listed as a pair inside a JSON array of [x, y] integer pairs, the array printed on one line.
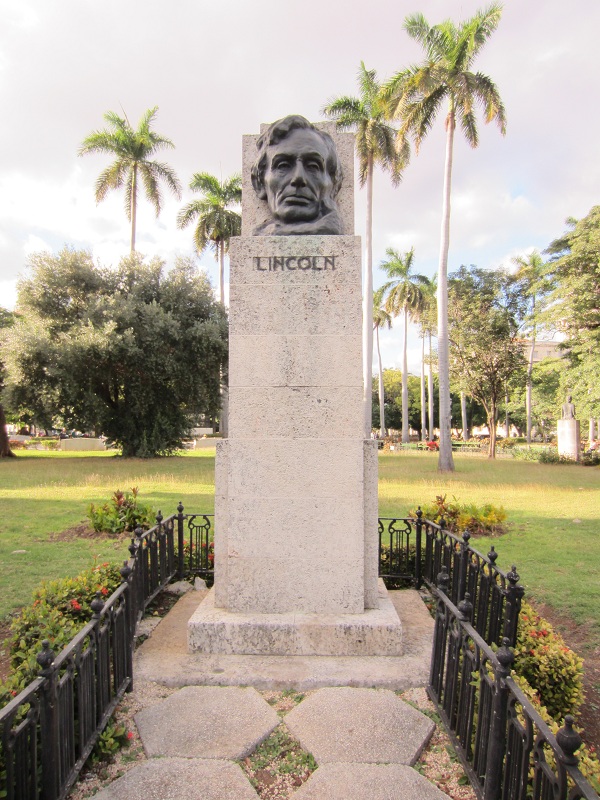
[[529, 380], [445, 461], [368, 305], [405, 436], [381, 391], [430, 392], [221, 246], [133, 206], [423, 413], [592, 430], [463, 414]]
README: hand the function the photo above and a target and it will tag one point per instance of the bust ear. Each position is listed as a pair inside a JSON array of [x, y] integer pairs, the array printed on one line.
[[258, 185]]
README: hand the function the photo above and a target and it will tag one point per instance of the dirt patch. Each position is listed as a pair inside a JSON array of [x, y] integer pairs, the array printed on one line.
[[577, 637], [84, 531]]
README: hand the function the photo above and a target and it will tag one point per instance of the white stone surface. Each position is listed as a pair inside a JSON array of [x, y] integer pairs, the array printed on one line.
[[254, 211], [569, 438], [376, 632]]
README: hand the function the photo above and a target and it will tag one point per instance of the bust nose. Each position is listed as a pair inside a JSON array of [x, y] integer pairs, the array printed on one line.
[[299, 174]]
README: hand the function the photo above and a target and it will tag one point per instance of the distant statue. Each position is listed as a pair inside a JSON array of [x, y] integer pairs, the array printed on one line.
[[299, 174], [568, 409]]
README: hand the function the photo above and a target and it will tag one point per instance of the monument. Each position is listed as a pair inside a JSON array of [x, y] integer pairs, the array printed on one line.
[[568, 432], [296, 540]]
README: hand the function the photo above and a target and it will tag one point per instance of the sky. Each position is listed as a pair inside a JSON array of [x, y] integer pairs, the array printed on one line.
[[216, 69]]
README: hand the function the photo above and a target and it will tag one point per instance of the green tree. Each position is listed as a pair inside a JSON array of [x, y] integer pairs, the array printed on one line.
[[376, 144], [574, 308], [486, 350], [403, 294], [136, 354], [381, 319], [414, 96], [392, 382], [216, 223], [6, 320], [133, 150]]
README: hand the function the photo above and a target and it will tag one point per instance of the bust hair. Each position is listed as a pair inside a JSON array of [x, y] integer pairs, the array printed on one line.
[[281, 130]]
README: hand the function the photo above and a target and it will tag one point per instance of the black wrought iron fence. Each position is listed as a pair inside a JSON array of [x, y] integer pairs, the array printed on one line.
[[506, 748]]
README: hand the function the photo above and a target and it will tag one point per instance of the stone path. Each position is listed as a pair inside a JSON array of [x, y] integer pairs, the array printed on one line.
[[364, 740]]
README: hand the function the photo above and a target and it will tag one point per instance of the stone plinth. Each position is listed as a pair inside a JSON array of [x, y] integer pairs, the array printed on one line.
[[296, 542], [568, 439]]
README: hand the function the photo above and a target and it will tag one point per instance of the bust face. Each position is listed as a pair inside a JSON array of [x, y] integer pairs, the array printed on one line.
[[296, 179]]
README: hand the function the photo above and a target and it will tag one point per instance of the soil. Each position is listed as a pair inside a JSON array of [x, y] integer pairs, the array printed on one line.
[[84, 531]]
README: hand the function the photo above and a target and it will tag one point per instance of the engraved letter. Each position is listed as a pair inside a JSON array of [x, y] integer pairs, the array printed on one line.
[[288, 262], [302, 261], [257, 260], [329, 262]]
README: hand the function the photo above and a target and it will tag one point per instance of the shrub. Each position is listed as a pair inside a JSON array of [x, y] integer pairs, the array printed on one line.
[[59, 610], [552, 457], [459, 517], [591, 459], [553, 669], [123, 513]]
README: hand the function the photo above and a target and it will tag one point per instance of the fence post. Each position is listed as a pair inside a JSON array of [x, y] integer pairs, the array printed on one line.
[[180, 542], [418, 548], [497, 740], [514, 596], [131, 621], [464, 561], [49, 732]]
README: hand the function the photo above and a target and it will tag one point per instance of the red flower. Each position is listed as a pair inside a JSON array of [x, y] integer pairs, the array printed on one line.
[[104, 591], [130, 735], [75, 605]]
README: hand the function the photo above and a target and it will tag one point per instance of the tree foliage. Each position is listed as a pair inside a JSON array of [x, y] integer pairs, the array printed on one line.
[[133, 149], [6, 319], [486, 352], [134, 353], [574, 306]]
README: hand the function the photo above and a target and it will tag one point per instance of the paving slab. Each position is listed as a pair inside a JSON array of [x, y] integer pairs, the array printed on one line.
[[164, 657], [177, 778], [367, 782], [343, 724], [206, 722]]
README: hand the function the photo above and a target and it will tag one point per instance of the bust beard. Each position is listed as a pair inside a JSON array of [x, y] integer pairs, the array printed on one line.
[[329, 224]]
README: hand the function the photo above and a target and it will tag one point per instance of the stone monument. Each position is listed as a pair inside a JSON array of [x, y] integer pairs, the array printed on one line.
[[296, 540], [568, 432]]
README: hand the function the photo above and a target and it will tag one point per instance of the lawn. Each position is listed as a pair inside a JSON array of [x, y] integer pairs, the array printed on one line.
[[553, 538]]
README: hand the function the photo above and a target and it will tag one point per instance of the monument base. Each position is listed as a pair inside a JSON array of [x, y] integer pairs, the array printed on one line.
[[568, 438], [376, 632]]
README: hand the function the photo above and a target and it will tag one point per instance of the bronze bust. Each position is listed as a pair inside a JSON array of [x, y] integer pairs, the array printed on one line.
[[299, 174]]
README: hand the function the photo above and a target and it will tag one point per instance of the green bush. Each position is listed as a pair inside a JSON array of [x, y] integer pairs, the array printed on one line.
[[552, 457], [552, 668], [60, 608], [485, 520], [123, 513]]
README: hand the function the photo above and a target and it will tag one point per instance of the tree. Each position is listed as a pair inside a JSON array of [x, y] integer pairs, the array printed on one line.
[[414, 96], [6, 319], [392, 383], [133, 150], [486, 351], [135, 355], [403, 294], [376, 143], [216, 222], [381, 319], [574, 306], [529, 274]]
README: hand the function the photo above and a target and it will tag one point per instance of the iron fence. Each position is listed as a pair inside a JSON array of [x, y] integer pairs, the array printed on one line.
[[506, 748]]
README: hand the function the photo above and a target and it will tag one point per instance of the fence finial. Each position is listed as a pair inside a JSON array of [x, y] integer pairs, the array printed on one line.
[[443, 580], [569, 740], [45, 658]]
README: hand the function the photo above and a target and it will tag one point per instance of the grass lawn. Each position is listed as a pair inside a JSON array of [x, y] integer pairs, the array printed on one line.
[[554, 536]]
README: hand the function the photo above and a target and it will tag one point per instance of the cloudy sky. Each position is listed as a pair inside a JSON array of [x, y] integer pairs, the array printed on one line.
[[217, 68]]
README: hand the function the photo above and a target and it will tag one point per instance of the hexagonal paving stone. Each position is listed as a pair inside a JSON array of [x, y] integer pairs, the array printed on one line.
[[176, 778], [372, 781], [359, 726], [206, 722]]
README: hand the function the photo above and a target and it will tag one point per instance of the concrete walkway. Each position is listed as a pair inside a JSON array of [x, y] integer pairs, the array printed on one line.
[[364, 740]]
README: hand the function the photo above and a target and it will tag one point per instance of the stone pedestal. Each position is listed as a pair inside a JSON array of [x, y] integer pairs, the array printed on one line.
[[296, 541], [568, 439]]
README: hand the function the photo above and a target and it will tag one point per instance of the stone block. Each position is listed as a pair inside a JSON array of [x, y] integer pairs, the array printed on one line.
[[300, 360], [296, 412], [568, 436]]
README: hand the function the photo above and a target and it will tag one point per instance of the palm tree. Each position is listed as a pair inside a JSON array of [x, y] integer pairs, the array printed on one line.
[[133, 150], [529, 274], [404, 295], [424, 315], [381, 319], [217, 223], [377, 142], [414, 96]]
